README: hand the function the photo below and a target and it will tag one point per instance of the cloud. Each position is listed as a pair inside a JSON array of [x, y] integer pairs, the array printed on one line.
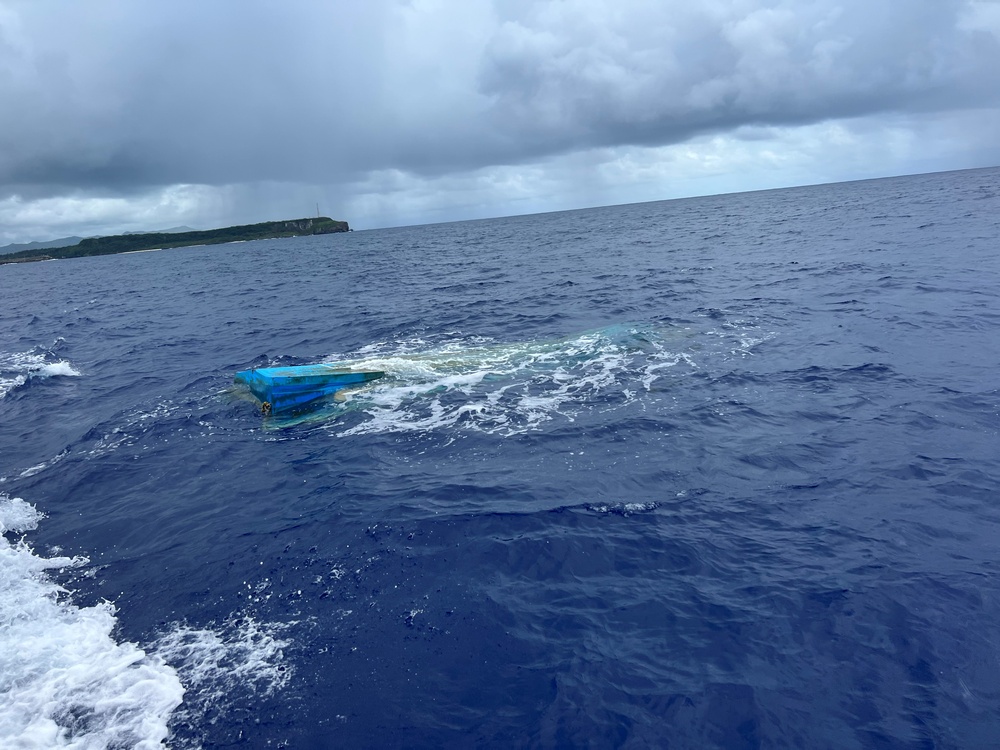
[[572, 74], [772, 156], [116, 100], [89, 214]]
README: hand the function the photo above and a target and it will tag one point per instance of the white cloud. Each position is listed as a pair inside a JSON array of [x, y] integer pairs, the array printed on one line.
[[87, 215]]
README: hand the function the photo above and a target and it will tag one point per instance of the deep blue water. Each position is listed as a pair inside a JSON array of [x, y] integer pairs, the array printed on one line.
[[719, 472]]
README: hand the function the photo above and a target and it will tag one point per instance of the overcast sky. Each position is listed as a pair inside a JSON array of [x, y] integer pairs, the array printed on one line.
[[122, 115]]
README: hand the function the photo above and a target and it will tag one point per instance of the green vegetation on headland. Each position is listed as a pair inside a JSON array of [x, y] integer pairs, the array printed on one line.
[[126, 243]]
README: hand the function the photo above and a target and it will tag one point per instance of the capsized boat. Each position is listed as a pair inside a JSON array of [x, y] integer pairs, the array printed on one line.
[[287, 389]]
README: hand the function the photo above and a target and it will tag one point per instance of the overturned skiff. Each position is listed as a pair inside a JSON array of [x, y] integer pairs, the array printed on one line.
[[289, 389]]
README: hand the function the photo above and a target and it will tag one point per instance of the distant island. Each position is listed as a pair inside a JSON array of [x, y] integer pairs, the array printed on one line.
[[19, 246], [127, 243]]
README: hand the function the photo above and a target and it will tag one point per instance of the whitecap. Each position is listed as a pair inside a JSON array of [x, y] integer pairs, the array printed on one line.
[[623, 508], [17, 368]]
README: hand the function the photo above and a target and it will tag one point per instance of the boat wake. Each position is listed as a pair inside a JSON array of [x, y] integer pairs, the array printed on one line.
[[67, 682], [64, 679], [220, 666]]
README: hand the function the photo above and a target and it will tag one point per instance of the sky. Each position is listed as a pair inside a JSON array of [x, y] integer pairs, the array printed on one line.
[[131, 115]]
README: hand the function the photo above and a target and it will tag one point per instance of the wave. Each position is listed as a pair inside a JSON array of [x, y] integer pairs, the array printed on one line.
[[38, 468], [64, 680], [19, 368]]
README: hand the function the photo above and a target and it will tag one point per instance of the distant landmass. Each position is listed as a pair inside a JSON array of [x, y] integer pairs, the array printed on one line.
[[69, 241], [125, 243], [19, 246]]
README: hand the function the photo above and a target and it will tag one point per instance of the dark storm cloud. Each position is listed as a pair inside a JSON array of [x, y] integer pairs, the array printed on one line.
[[131, 95], [124, 93], [563, 79]]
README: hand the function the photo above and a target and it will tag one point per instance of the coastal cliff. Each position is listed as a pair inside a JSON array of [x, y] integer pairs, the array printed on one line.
[[125, 243]]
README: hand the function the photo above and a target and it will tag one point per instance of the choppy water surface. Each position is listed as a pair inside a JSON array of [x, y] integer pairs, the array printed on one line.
[[719, 472]]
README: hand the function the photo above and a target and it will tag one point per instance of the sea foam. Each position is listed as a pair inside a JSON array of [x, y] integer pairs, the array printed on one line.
[[509, 388]]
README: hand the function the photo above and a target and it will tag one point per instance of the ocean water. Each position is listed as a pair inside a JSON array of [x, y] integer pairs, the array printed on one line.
[[710, 473]]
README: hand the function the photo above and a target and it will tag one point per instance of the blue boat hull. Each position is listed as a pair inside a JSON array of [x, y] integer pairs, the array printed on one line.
[[289, 389]]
